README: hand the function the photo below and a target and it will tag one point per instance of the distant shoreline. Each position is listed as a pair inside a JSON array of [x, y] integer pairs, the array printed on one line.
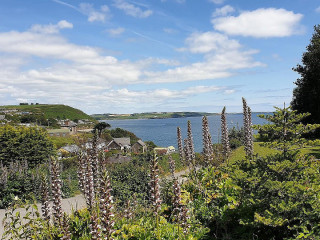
[[166, 115]]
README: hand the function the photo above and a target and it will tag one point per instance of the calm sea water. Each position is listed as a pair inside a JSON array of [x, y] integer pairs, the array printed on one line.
[[163, 132]]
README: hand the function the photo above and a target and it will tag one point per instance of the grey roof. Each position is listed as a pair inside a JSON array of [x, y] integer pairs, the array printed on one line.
[[141, 143], [2, 117], [122, 141]]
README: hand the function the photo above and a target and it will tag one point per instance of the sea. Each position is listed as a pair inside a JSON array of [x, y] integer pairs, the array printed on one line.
[[163, 132]]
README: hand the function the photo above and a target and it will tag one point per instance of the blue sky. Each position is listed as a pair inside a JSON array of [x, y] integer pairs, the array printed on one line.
[[123, 56]]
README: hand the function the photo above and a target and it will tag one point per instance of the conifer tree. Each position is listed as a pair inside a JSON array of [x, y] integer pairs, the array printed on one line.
[[285, 130]]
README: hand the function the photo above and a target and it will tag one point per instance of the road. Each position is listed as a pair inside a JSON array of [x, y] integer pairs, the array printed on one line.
[[68, 204]]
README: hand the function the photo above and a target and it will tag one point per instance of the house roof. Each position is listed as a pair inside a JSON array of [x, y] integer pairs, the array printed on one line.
[[122, 141], [141, 143]]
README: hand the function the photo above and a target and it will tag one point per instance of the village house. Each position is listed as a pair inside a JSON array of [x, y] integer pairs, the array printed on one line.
[[139, 147], [122, 144]]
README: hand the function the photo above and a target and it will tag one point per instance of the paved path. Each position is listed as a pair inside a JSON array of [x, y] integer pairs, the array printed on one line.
[[68, 204]]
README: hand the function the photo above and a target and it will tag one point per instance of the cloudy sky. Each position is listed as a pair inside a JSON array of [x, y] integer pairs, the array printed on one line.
[[124, 56]]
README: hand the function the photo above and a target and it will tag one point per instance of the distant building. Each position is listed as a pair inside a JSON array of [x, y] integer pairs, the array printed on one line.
[[171, 149], [122, 144], [161, 151], [164, 151], [139, 147], [2, 117]]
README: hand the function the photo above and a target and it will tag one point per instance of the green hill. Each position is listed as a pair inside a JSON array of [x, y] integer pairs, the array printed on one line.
[[52, 111]]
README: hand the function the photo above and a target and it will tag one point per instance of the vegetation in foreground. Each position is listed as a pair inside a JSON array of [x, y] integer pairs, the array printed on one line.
[[275, 196]]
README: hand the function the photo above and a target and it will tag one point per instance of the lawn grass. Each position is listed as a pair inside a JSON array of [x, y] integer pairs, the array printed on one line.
[[239, 153]]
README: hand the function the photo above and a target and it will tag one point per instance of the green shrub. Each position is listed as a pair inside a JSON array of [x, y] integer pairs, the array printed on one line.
[[24, 143]]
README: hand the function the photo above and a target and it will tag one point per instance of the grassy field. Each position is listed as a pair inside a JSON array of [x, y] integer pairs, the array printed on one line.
[[52, 111], [239, 153]]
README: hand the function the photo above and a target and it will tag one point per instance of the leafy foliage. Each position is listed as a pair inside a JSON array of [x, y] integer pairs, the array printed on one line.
[[306, 96], [29, 144], [236, 137], [100, 127]]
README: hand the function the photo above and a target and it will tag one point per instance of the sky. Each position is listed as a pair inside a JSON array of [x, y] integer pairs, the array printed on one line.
[[132, 56]]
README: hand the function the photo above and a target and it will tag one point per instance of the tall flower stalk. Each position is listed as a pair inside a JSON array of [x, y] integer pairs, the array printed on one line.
[[180, 145], [172, 165], [187, 153], [45, 199], [94, 227], [190, 142], [155, 190], [224, 134], [247, 124], [89, 185], [56, 191], [106, 206], [65, 227], [207, 142], [95, 161]]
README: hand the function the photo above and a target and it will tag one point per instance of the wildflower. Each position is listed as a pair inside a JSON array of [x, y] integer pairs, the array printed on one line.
[[224, 134], [56, 191], [207, 142], [106, 206], [154, 185], [180, 145]]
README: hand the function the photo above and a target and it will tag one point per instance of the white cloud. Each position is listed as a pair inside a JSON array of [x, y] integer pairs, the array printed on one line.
[[116, 31], [223, 11], [88, 10], [178, 1], [221, 57], [93, 14], [124, 96], [209, 41], [48, 68], [217, 1], [131, 9], [229, 91], [318, 9], [263, 22], [51, 28], [159, 61]]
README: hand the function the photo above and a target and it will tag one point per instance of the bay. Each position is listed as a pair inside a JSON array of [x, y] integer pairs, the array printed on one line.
[[163, 132]]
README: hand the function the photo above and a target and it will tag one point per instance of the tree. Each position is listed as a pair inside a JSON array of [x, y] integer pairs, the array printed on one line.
[[285, 130], [306, 96], [29, 144], [100, 127]]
